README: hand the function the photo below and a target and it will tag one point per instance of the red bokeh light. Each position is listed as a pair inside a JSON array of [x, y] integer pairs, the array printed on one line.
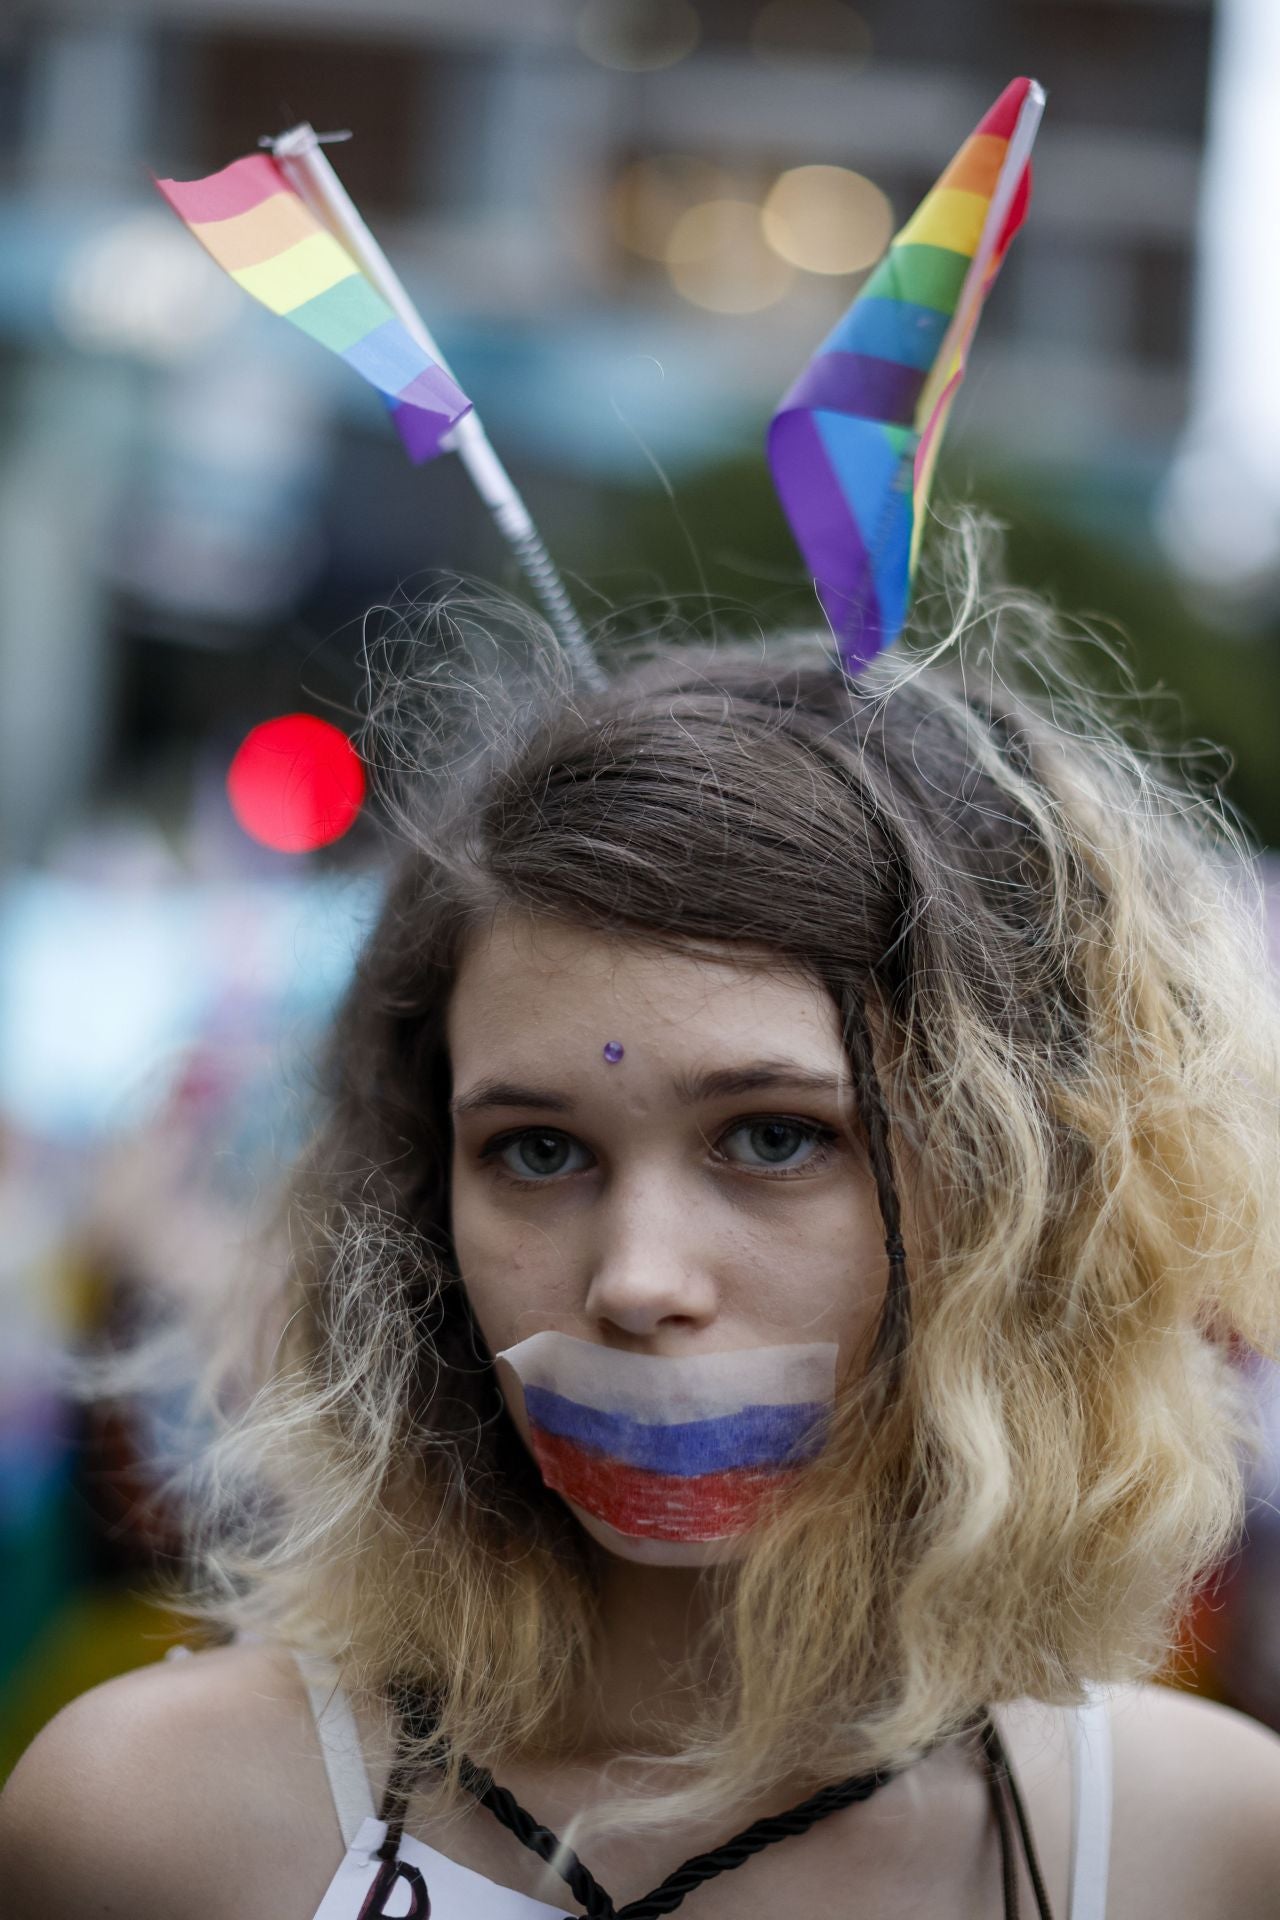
[[296, 783]]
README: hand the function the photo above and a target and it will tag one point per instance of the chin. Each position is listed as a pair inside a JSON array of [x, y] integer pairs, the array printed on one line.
[[649, 1552]]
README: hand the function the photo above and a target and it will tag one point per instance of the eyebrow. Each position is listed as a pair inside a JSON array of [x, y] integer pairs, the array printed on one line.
[[508, 1093], [756, 1076], [715, 1083]]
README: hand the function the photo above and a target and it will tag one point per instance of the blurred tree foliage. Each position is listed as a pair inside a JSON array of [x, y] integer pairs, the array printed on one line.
[[715, 551]]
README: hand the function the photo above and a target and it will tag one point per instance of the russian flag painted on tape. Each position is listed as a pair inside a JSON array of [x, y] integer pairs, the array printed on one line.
[[672, 1449], [853, 446], [253, 223]]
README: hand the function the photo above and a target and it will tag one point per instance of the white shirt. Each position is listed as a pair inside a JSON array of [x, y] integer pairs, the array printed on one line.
[[458, 1893]]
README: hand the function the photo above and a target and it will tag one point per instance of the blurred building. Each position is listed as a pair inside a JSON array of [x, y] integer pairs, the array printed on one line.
[[573, 190]]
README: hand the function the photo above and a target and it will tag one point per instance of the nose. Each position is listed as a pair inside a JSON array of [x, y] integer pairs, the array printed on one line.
[[651, 1268]]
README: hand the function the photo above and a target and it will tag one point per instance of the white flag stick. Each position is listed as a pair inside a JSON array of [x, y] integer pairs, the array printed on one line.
[[303, 159]]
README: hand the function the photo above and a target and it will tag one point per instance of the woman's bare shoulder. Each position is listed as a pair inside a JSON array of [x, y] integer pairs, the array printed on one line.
[[177, 1785], [1196, 1808], [1195, 1803], [1182, 1745]]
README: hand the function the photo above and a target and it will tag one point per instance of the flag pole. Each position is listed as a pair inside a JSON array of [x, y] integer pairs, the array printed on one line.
[[301, 155]]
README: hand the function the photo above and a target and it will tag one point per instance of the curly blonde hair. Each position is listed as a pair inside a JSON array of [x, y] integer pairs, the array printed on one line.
[[1044, 941]]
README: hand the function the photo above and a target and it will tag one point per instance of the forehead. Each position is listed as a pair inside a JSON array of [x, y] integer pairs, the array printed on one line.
[[546, 991]]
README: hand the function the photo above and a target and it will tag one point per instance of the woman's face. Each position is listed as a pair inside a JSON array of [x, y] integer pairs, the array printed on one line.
[[655, 1152]]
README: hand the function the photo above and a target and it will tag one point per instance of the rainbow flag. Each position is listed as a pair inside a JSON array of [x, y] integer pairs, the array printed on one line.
[[256, 226], [672, 1449], [853, 446]]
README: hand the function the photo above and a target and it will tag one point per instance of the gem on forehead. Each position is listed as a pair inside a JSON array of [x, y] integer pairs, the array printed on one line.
[[613, 1051]]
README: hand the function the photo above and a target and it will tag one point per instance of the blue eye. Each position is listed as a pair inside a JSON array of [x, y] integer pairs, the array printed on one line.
[[540, 1153], [778, 1144]]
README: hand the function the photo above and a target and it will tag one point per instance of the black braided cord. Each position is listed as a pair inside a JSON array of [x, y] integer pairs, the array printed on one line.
[[1008, 1864], [670, 1893], [1001, 1779], [505, 1808], [667, 1896]]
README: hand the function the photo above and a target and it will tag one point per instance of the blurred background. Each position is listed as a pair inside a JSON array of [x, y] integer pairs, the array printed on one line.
[[629, 223]]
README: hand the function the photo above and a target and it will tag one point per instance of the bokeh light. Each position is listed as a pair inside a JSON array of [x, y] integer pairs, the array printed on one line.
[[638, 36], [138, 286], [786, 31], [296, 783], [650, 195], [717, 258], [827, 219]]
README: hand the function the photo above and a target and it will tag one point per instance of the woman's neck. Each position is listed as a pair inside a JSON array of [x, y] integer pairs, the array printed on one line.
[[652, 1619]]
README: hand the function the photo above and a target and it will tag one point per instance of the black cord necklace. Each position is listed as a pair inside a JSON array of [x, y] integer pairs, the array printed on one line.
[[417, 1723]]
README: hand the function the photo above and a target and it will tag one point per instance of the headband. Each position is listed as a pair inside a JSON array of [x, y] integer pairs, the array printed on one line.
[[852, 448]]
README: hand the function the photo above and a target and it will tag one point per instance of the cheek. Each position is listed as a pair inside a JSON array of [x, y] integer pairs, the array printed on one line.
[[484, 1256], [515, 1274], [825, 1269]]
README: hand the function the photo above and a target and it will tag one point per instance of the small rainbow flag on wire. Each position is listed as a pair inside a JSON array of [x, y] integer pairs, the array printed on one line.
[[853, 446], [256, 226]]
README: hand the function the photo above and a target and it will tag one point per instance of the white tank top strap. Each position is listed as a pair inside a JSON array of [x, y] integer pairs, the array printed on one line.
[[340, 1745], [1091, 1789]]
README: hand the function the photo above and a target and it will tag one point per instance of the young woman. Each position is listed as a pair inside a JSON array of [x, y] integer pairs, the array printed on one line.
[[726, 1025]]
